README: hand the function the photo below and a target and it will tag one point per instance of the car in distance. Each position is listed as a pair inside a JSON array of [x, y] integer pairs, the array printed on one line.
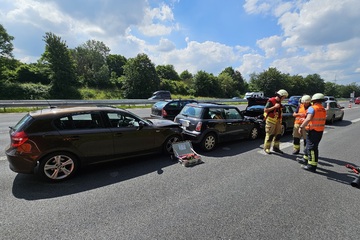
[[208, 124], [161, 94], [334, 112], [255, 109], [294, 100], [357, 100], [56, 142], [168, 109]]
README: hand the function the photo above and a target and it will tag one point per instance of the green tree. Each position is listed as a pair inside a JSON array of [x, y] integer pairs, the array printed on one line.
[[206, 85], [63, 78], [115, 63], [269, 81], [240, 86], [314, 84], [6, 46], [228, 85], [167, 72], [91, 64], [140, 79]]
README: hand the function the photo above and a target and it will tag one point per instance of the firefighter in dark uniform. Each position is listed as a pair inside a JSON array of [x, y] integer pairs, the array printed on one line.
[[314, 124], [300, 115], [273, 121]]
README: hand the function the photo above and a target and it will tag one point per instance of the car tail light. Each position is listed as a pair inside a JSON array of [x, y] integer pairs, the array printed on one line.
[[164, 113], [18, 138], [198, 127]]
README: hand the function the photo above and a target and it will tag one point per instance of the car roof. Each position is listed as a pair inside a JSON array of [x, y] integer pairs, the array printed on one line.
[[71, 109], [207, 104]]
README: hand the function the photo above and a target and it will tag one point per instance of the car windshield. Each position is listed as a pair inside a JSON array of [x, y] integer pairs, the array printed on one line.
[[191, 111]]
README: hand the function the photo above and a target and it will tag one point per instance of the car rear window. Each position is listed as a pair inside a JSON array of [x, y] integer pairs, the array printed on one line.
[[160, 104], [22, 123]]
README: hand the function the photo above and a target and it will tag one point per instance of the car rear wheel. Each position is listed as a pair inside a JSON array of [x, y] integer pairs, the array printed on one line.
[[254, 133], [168, 143], [209, 142], [58, 166], [283, 129]]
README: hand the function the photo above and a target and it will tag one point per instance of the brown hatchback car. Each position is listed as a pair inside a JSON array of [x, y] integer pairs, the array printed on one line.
[[55, 142]]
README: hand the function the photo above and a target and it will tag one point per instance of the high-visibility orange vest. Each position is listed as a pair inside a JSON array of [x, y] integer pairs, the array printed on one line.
[[298, 119], [274, 115], [318, 121]]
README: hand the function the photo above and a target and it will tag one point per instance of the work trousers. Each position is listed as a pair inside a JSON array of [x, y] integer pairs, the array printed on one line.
[[312, 147], [297, 136], [272, 134]]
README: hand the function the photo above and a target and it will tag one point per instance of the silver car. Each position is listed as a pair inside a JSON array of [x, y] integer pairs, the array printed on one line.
[[334, 111]]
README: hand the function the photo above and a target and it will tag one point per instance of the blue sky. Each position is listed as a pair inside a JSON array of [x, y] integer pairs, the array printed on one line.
[[297, 37]]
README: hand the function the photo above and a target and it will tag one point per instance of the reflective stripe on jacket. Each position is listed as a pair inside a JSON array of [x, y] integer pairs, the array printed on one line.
[[318, 121], [302, 110]]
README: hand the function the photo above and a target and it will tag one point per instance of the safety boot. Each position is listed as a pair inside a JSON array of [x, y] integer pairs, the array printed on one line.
[[296, 151], [301, 160], [310, 168], [277, 150], [267, 151]]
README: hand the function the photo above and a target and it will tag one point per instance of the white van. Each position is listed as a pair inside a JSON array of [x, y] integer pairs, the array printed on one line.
[[254, 95]]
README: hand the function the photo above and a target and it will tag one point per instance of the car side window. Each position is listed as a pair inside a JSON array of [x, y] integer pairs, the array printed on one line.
[[79, 121], [173, 104], [122, 120], [216, 113], [232, 114]]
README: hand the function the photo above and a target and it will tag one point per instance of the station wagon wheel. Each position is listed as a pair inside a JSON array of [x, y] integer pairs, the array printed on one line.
[[254, 133], [168, 143], [58, 166], [209, 142]]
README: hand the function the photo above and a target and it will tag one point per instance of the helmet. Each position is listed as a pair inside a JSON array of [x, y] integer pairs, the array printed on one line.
[[282, 93], [318, 97], [306, 99]]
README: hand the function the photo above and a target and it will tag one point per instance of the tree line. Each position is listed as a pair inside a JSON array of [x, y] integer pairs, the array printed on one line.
[[82, 72]]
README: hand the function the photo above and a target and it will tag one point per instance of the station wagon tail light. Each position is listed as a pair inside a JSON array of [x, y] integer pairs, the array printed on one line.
[[198, 127], [164, 113], [18, 138]]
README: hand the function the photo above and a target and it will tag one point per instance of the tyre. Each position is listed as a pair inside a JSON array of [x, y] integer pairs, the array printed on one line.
[[58, 166], [209, 142], [167, 148], [332, 120], [283, 129], [342, 117], [254, 133]]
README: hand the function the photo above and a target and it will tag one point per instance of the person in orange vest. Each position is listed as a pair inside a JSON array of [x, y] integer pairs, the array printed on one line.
[[273, 120], [314, 124], [300, 115]]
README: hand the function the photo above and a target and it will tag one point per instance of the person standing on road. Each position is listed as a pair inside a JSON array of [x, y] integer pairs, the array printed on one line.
[[300, 115], [273, 120], [315, 125]]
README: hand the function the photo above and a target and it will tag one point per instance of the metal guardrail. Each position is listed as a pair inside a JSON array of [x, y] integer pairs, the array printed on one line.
[[52, 103]]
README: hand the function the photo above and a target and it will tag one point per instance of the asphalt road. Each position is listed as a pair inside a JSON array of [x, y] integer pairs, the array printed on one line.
[[237, 193]]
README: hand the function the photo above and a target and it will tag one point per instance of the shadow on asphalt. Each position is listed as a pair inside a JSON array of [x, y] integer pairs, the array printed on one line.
[[324, 168], [30, 187]]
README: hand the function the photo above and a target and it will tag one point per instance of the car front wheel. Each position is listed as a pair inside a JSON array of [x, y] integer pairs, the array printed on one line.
[[254, 133], [209, 142], [168, 143], [58, 166]]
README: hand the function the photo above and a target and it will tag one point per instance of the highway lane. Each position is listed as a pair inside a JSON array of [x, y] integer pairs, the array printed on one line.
[[238, 193]]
